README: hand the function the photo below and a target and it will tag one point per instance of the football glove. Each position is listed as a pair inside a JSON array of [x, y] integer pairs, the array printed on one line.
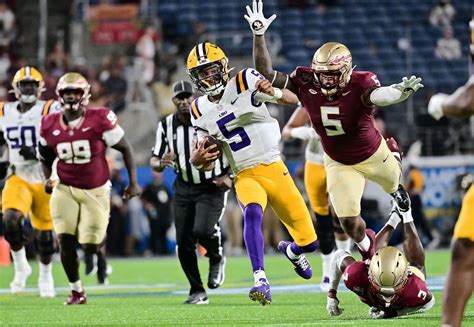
[[375, 313], [28, 152], [332, 306], [258, 23], [435, 106], [408, 86]]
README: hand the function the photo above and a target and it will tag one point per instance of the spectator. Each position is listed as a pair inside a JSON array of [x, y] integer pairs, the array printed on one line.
[[157, 203], [448, 47], [116, 86], [442, 14], [7, 23]]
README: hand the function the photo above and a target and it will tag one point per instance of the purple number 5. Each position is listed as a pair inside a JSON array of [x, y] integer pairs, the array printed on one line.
[[235, 146]]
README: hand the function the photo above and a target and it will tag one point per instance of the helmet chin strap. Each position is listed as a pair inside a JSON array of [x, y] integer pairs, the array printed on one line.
[[28, 98]]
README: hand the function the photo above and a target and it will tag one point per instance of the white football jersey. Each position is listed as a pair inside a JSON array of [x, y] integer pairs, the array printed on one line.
[[314, 151], [249, 133], [23, 129]]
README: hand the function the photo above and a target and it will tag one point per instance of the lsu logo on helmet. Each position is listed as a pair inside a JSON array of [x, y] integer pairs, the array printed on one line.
[[208, 67], [27, 74]]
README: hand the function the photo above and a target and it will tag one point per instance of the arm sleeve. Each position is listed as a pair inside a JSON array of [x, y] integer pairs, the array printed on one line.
[[113, 136], [387, 95], [161, 142]]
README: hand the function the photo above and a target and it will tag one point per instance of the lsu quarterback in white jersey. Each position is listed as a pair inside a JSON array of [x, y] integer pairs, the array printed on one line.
[[233, 111], [24, 192]]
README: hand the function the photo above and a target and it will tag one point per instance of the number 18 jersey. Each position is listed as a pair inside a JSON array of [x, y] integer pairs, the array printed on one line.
[[21, 129], [250, 135]]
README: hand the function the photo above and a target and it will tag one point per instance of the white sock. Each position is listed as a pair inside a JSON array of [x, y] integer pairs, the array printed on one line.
[[326, 263], [345, 245], [407, 217], [364, 245], [394, 220], [257, 275], [77, 286], [291, 254], [19, 259], [45, 271]]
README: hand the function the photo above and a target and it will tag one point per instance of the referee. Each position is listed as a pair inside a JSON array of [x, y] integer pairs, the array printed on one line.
[[200, 197]]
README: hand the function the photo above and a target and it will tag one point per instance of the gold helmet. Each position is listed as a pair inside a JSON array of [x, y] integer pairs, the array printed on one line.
[[28, 74], [332, 66], [208, 67], [73, 81], [388, 270]]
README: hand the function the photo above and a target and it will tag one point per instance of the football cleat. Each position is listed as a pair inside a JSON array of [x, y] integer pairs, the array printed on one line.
[[260, 292], [216, 274], [302, 266], [325, 285], [19, 281], [76, 298], [46, 286], [369, 253], [197, 298]]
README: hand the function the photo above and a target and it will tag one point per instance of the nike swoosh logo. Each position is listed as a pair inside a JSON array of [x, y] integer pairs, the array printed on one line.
[[235, 100], [344, 94], [285, 173], [85, 129], [385, 158]]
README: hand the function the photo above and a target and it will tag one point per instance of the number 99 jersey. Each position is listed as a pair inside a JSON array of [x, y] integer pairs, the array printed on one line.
[[81, 149], [22, 130], [250, 135]]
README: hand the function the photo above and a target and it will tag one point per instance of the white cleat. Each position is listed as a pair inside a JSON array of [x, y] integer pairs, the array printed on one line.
[[19, 281], [46, 287], [325, 285]]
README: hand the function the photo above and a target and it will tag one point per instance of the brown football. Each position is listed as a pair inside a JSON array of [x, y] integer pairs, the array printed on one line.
[[210, 140]]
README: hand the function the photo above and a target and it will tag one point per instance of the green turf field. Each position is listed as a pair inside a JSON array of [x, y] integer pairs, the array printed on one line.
[[151, 291]]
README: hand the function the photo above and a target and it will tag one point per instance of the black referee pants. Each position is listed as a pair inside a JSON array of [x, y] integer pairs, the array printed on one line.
[[198, 209]]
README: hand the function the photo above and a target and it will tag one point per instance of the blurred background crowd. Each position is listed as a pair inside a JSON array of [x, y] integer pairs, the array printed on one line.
[[132, 51]]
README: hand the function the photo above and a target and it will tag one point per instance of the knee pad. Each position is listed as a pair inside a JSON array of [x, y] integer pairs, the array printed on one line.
[[325, 232], [401, 198], [14, 233], [46, 243]]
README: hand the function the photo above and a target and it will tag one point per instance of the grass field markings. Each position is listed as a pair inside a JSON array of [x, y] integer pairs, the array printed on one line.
[[434, 284]]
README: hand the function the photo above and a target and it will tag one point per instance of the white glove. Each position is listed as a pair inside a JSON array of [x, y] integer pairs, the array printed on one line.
[[303, 133], [258, 23], [435, 106], [332, 306], [375, 313], [409, 85]]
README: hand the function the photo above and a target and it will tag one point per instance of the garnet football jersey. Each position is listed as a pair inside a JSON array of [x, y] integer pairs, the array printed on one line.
[[343, 122], [81, 149], [413, 294], [22, 129]]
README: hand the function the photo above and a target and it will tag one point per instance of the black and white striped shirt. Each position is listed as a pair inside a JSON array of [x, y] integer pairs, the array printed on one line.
[[173, 135]]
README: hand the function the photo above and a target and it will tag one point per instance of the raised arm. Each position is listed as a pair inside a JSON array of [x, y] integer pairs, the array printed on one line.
[[458, 104], [387, 95], [262, 60]]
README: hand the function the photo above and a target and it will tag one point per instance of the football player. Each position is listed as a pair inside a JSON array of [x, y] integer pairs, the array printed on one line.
[[24, 194], [316, 188], [456, 293], [233, 110], [80, 201], [391, 283], [340, 104]]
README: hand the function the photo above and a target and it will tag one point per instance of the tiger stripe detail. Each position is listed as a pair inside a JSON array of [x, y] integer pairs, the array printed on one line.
[[195, 109], [242, 84], [46, 107], [2, 109]]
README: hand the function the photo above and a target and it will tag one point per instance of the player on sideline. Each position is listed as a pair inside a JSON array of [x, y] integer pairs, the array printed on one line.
[[80, 202], [316, 188], [24, 192], [340, 104], [233, 110], [390, 283], [457, 293]]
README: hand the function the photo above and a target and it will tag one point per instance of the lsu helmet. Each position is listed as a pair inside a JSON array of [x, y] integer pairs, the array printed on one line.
[[333, 59], [208, 57], [73, 81], [28, 74], [388, 271]]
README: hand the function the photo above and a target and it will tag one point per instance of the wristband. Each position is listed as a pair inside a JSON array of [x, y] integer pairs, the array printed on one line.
[[278, 94]]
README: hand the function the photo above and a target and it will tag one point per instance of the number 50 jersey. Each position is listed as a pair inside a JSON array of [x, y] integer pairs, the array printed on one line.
[[21, 129], [250, 135]]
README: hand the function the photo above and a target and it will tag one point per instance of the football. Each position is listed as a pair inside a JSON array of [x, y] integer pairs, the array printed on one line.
[[211, 140]]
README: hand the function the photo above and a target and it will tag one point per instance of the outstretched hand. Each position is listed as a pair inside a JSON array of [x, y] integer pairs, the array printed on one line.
[[412, 85], [258, 23]]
